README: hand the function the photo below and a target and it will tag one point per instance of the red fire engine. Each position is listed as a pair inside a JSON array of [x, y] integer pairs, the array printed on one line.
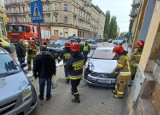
[[17, 31]]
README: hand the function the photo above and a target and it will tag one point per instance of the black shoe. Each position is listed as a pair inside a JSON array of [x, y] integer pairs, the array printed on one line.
[[76, 100], [48, 98], [40, 98]]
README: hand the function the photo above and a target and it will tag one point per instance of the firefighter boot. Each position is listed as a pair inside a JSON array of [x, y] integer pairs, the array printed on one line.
[[76, 99]]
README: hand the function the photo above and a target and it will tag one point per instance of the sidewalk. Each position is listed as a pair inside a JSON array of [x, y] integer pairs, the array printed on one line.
[[94, 100]]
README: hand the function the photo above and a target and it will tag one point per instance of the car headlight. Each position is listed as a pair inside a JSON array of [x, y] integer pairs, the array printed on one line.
[[91, 66], [26, 94]]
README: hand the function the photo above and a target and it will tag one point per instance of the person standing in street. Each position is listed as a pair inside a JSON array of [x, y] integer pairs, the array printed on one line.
[[123, 68], [86, 50], [65, 55], [135, 57], [74, 67], [44, 67], [32, 51], [20, 51]]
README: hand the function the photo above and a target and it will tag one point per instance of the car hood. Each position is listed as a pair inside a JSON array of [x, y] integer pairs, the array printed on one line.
[[12, 85], [103, 66]]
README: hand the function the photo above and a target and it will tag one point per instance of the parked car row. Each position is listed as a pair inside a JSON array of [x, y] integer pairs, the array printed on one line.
[[119, 40]]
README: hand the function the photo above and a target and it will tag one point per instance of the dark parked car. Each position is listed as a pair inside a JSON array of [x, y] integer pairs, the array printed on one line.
[[110, 41], [56, 47], [92, 43], [99, 68], [17, 94]]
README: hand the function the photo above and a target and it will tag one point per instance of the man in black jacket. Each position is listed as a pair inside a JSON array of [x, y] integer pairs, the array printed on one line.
[[44, 67], [20, 51], [74, 67]]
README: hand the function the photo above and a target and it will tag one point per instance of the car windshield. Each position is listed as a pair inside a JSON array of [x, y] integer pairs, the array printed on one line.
[[8, 65], [15, 28], [60, 42], [103, 54]]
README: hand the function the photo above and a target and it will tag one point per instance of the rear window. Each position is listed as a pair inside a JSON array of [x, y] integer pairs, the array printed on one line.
[[7, 65]]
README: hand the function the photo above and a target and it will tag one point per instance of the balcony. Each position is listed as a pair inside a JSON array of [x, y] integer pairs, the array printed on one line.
[[136, 3], [134, 12]]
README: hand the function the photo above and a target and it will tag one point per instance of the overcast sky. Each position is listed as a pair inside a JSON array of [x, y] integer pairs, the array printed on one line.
[[119, 8]]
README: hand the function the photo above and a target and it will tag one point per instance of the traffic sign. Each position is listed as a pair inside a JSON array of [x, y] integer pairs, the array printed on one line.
[[37, 12]]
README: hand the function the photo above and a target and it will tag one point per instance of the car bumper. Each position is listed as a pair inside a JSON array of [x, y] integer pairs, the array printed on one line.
[[25, 108], [104, 82]]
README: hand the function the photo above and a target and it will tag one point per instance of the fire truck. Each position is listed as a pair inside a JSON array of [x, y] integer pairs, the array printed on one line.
[[17, 31]]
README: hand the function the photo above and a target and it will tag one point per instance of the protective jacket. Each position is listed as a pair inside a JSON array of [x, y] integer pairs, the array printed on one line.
[[86, 49], [75, 66], [44, 65], [123, 64], [65, 55], [32, 50]]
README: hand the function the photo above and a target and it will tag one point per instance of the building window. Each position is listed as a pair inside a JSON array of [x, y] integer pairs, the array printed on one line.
[[55, 7], [66, 20], [56, 19], [65, 7]]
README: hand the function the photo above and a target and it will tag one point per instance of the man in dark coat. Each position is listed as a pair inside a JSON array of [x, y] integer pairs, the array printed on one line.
[[44, 67], [20, 51]]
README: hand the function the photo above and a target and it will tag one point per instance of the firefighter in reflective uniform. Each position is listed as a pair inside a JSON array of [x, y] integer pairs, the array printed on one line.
[[32, 51], [123, 67], [135, 57], [75, 70], [65, 55], [86, 50]]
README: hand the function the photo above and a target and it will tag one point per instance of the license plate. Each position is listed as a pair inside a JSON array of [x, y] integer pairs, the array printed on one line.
[[104, 81]]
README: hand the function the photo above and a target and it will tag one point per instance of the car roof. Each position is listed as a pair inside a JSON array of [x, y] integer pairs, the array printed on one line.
[[2, 50], [104, 48]]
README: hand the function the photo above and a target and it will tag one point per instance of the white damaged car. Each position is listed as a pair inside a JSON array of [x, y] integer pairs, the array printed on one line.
[[99, 67]]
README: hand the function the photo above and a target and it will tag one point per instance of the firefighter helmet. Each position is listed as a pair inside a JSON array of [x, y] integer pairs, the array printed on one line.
[[32, 42], [67, 44], [140, 44], [75, 47], [118, 49]]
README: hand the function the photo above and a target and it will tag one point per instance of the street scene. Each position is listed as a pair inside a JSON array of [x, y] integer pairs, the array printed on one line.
[[79, 57]]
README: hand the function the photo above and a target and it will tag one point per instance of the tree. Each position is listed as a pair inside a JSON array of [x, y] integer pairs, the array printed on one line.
[[113, 28], [106, 26]]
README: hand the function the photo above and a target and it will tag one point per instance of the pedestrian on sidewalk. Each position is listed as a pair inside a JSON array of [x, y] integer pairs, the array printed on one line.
[[44, 67], [75, 70], [65, 55], [20, 51]]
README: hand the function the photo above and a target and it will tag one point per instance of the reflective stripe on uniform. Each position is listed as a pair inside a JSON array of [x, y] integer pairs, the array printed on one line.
[[125, 74], [135, 64], [74, 77], [76, 93], [127, 59], [119, 65], [121, 93]]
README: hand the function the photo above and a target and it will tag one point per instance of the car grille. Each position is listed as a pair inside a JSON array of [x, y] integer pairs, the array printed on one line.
[[103, 75], [7, 107]]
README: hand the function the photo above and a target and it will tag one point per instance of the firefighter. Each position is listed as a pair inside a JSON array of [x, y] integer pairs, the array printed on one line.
[[65, 55], [75, 70], [86, 50], [123, 67], [135, 58], [32, 51]]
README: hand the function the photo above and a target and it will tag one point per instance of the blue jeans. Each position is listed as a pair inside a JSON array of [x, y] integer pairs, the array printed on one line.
[[42, 85]]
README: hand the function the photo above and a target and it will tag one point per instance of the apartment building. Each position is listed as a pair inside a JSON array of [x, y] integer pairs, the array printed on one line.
[[147, 93], [3, 18], [64, 17]]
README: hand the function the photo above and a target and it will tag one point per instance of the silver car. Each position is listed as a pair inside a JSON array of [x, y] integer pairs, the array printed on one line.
[[17, 94], [99, 67]]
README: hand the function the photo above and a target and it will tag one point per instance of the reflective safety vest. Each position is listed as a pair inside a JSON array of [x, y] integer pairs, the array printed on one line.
[[85, 48], [124, 66]]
